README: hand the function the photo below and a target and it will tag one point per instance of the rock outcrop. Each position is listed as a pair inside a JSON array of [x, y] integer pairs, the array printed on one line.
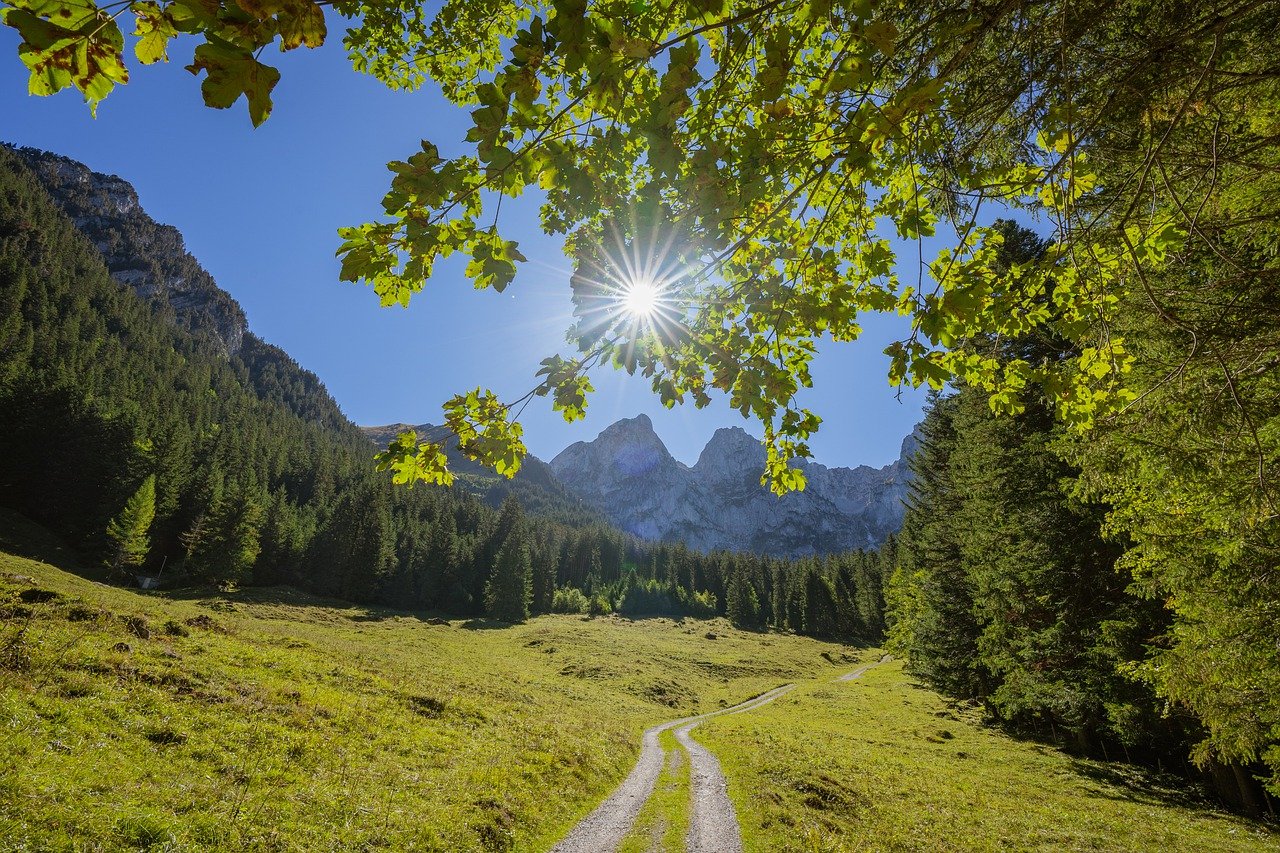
[[139, 252], [719, 503]]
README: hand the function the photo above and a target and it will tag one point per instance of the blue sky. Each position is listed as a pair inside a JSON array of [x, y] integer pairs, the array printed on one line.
[[260, 208]]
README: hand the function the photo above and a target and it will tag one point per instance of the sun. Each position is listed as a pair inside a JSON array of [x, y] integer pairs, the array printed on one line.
[[640, 298]]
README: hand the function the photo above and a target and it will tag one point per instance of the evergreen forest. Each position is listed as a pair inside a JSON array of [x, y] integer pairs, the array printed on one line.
[[1113, 591]]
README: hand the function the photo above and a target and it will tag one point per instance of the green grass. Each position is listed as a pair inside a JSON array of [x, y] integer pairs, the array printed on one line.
[[270, 720], [882, 764]]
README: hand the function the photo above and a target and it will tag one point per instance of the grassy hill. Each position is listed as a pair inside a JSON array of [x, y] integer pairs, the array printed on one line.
[[881, 763], [271, 720]]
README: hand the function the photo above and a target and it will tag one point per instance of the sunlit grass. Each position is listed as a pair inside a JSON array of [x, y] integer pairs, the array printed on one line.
[[882, 764], [271, 720]]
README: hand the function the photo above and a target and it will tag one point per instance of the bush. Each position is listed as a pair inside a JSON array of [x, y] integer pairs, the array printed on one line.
[[569, 600], [599, 606], [699, 605], [648, 598]]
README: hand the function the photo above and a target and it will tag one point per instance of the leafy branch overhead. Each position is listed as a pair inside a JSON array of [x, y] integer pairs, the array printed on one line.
[[784, 161], [79, 43]]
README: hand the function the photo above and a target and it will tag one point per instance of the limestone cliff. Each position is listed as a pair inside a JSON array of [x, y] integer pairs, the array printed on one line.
[[138, 251], [719, 502]]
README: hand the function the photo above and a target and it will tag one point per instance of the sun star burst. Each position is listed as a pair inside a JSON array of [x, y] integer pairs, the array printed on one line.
[[641, 297]]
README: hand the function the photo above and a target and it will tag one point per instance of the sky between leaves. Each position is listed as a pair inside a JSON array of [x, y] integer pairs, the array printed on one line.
[[260, 209]]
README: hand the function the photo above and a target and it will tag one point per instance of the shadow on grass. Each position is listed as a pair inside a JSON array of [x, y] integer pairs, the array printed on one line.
[[289, 596], [480, 623], [1131, 783], [23, 537]]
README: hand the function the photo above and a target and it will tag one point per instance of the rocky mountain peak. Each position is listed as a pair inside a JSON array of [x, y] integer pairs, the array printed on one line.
[[726, 444], [719, 502], [911, 443], [637, 429], [139, 252]]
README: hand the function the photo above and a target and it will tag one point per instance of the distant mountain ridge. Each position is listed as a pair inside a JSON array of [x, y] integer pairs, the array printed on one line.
[[535, 485], [718, 503]]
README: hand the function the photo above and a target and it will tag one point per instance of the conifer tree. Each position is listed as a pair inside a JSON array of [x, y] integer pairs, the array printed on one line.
[[819, 618], [742, 605], [932, 597], [230, 539], [509, 592], [129, 531]]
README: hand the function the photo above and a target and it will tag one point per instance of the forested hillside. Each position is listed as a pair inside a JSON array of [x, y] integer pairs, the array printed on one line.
[[1113, 591], [155, 446]]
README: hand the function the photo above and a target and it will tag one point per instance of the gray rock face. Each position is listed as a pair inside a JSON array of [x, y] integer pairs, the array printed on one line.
[[139, 252], [719, 502]]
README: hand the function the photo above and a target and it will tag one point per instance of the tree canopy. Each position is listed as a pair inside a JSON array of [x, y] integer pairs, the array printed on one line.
[[762, 163]]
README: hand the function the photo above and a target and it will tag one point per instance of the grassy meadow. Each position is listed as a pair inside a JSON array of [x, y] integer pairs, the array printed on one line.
[[265, 719], [268, 720], [881, 764]]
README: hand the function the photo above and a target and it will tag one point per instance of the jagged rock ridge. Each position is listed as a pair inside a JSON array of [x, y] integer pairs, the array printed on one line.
[[719, 503], [138, 251]]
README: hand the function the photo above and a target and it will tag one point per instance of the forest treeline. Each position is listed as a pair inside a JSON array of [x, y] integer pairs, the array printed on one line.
[[1090, 589], [140, 441]]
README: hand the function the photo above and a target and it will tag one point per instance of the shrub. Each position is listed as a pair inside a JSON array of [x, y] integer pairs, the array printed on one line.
[[699, 605], [569, 600], [648, 598]]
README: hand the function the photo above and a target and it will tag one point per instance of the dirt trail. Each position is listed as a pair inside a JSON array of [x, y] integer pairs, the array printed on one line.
[[604, 829], [850, 676], [713, 824]]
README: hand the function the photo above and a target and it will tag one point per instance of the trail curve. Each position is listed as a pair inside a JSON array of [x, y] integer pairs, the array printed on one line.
[[603, 830], [713, 822]]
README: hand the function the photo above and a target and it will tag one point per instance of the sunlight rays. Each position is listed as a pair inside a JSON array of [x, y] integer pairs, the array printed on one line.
[[629, 287], [641, 298]]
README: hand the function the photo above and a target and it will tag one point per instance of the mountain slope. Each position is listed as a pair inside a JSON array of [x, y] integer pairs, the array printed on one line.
[[139, 252], [719, 502], [535, 486]]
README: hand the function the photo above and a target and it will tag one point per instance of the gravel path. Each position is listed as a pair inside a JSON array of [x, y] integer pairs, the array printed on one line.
[[603, 830], [850, 676], [713, 824]]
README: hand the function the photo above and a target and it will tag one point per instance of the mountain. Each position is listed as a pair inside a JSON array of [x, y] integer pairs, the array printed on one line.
[[139, 252], [719, 503], [535, 486]]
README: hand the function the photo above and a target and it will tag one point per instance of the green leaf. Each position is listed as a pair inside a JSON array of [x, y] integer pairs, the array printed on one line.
[[231, 73], [302, 24]]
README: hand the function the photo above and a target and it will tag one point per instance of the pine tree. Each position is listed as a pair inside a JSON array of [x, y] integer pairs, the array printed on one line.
[[819, 618], [742, 605], [509, 592], [229, 543], [129, 531], [932, 618]]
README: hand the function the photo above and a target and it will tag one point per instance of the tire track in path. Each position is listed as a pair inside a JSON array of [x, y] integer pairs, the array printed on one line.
[[850, 676], [603, 829], [713, 822]]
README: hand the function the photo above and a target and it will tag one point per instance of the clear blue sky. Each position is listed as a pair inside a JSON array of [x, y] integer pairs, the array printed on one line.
[[260, 208]]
